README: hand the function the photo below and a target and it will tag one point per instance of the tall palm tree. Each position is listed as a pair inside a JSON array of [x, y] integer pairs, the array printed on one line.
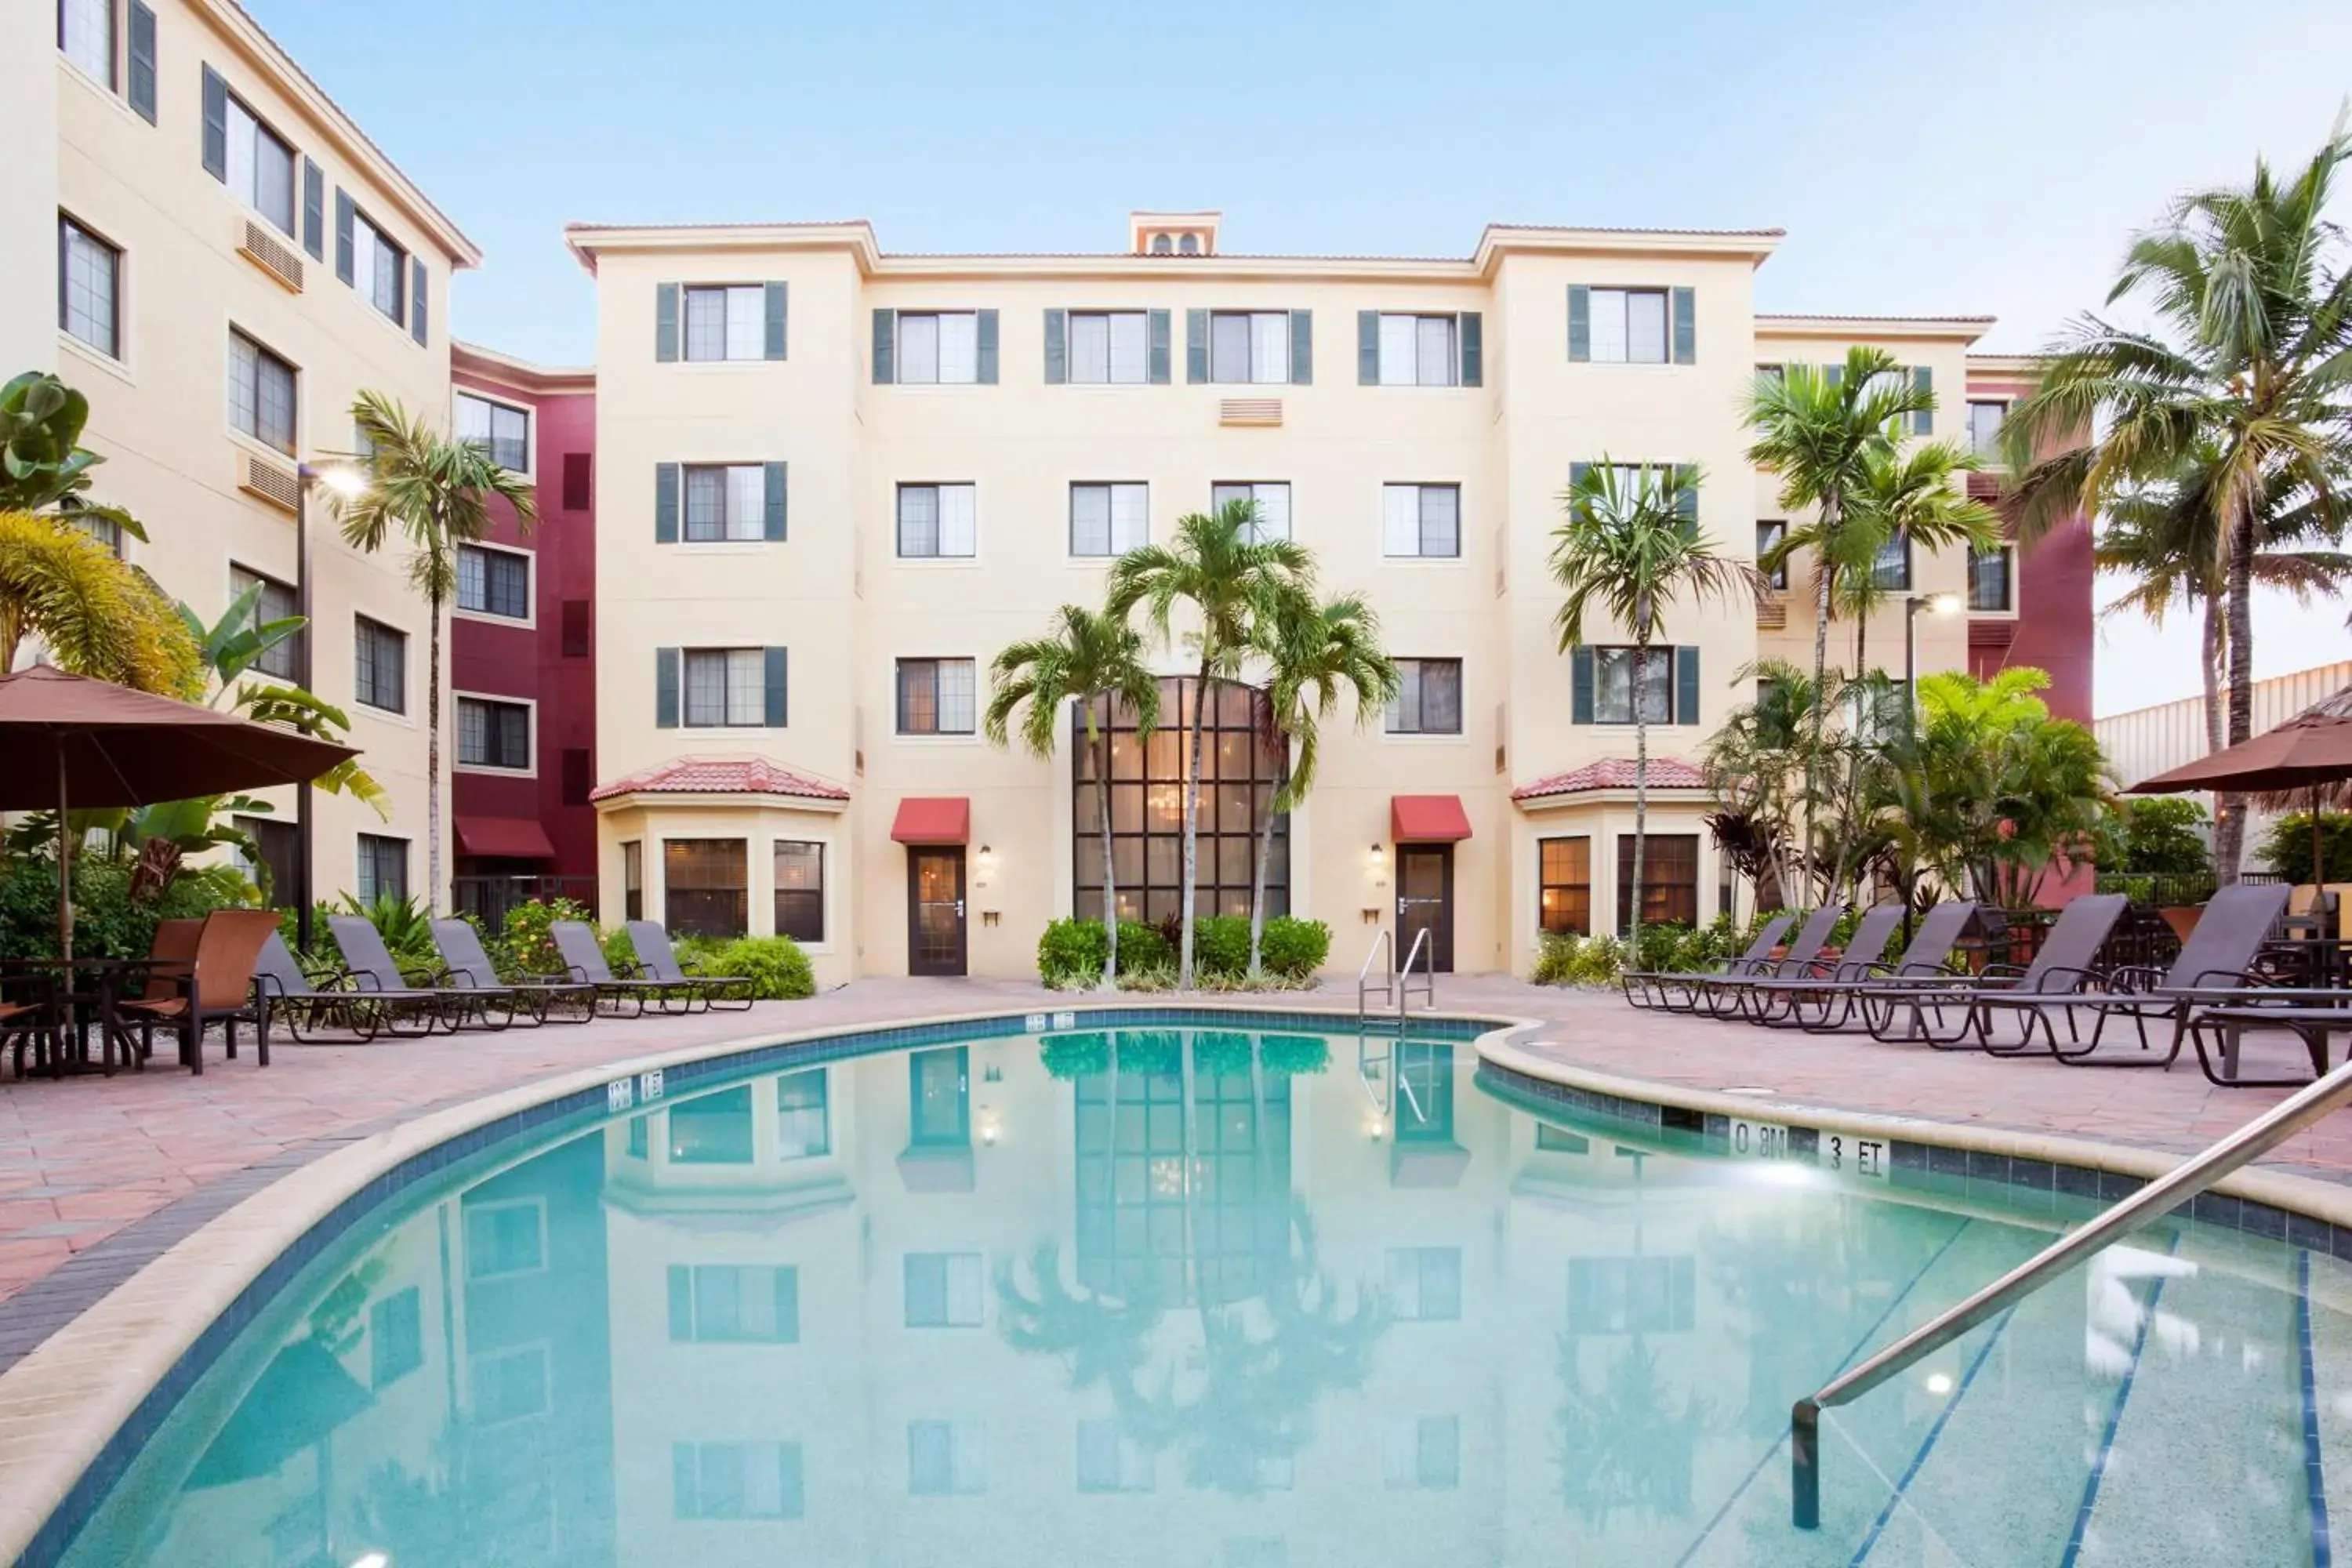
[[1921, 496], [1087, 654], [96, 615], [1312, 653], [433, 492], [1230, 578], [1626, 551], [2251, 351], [1817, 429]]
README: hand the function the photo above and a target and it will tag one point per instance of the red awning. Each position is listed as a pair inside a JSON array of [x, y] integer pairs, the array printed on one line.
[[1427, 819], [933, 819], [505, 837]]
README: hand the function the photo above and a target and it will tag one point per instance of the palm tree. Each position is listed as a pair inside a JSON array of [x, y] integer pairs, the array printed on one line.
[[1757, 763], [97, 615], [1919, 496], [1817, 429], [435, 493], [1312, 652], [1627, 550], [1087, 654], [1230, 579], [2251, 354]]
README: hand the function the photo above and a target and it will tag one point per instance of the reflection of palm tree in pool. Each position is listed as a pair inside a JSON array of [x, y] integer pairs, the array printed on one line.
[[1627, 1444], [1101, 1337], [460, 1510]]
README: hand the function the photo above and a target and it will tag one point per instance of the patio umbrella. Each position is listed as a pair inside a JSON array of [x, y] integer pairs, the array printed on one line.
[[2309, 756], [68, 739]]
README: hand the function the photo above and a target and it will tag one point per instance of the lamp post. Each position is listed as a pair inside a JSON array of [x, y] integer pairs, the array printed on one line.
[[1934, 603], [343, 480]]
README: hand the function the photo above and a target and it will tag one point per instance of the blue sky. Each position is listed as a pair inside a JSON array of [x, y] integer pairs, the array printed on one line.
[[1965, 158]]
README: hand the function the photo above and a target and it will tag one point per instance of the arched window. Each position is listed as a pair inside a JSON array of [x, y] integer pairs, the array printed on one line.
[[1160, 245], [1190, 245]]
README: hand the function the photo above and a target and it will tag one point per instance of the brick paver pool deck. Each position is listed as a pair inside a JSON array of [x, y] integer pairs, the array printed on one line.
[[99, 1174]]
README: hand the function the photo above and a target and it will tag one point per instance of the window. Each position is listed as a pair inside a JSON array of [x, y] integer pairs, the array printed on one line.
[[938, 1098], [1418, 351], [276, 602], [1270, 517], [493, 734], [1425, 1283], [1989, 575], [1632, 1295], [1892, 569], [1422, 1452], [505, 1238], [1769, 535], [937, 696], [507, 1385], [86, 34], [502, 432], [1629, 326], [1985, 418], [396, 1338], [381, 870], [379, 269], [705, 890], [936, 520], [800, 890], [88, 272], [1240, 770], [1669, 879], [712, 1129], [279, 846], [938, 349], [946, 1458], [725, 323], [632, 880], [1108, 520], [380, 666], [726, 501], [105, 530], [1564, 876], [1111, 1462], [494, 582], [1109, 347], [735, 1481], [1612, 686], [726, 687], [260, 392], [1428, 697], [1420, 519], [731, 1304], [944, 1290], [260, 167], [803, 1124], [1249, 347], [1162, 245]]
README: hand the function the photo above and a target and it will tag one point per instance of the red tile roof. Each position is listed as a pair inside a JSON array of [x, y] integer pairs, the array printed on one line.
[[721, 775], [1614, 773]]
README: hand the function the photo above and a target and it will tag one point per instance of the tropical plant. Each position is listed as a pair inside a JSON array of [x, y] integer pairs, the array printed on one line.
[[2154, 835], [42, 465], [1918, 496], [1312, 653], [1760, 764], [434, 493], [2287, 849], [777, 967], [528, 937], [1627, 549], [405, 925], [2250, 357], [95, 613], [1087, 655], [1230, 579], [1295, 948], [110, 921]]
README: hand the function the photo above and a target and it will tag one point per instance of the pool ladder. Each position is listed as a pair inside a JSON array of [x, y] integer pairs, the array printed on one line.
[[1395, 986], [2168, 1192]]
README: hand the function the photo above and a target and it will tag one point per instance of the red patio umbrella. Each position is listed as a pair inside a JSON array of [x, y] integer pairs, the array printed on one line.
[[70, 738], [2305, 756]]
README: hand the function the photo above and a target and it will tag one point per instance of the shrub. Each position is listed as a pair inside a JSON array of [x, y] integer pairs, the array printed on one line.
[[1071, 954], [1221, 945], [1143, 946], [1577, 960], [779, 971], [2286, 851], [528, 943], [1148, 977], [620, 953], [108, 923], [1295, 949], [402, 922], [1658, 943]]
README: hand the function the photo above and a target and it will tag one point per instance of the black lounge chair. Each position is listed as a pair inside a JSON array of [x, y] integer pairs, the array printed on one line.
[[1657, 987], [1825, 1009], [465, 965], [1772, 1002], [287, 997], [583, 960], [375, 975], [2311, 1015], [2061, 970], [1719, 994], [2218, 956], [657, 960]]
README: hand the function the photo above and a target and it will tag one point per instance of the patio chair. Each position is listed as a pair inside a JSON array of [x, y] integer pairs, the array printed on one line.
[[1719, 994], [287, 997], [375, 975], [657, 961], [464, 961], [2060, 970], [215, 985], [1772, 1002], [170, 952], [1657, 986], [28, 1015], [2218, 956], [583, 958]]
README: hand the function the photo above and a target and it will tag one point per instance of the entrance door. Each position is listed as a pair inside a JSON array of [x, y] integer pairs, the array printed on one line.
[[1425, 900], [934, 935]]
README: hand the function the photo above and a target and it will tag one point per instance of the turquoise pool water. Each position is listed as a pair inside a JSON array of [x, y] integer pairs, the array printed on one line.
[[1228, 1300]]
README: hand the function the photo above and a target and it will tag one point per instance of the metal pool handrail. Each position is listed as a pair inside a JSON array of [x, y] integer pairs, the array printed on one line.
[[1385, 942], [2169, 1191]]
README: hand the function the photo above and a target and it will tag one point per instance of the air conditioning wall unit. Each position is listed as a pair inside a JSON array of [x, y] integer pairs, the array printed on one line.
[[277, 483], [1249, 411], [1772, 612], [262, 246]]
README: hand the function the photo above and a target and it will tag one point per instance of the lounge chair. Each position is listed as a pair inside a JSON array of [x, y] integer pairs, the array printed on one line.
[[1824, 1009], [2311, 1015], [1657, 987], [1719, 994], [2218, 956], [402, 1004], [1772, 1002], [213, 986], [657, 961], [286, 996], [2060, 971], [464, 962], [583, 960]]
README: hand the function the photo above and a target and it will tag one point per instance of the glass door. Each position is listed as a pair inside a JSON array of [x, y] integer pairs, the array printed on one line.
[[1425, 902], [935, 923]]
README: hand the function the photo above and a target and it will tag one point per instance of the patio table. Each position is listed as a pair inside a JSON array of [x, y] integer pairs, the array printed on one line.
[[88, 989]]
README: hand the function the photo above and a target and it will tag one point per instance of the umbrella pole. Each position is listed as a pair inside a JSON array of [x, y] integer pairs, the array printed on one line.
[[64, 867], [2319, 880]]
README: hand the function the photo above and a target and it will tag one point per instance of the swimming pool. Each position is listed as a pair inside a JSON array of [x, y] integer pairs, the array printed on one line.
[[1221, 1297]]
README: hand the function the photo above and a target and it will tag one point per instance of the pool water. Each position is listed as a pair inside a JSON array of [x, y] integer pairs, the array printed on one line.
[[1226, 1300]]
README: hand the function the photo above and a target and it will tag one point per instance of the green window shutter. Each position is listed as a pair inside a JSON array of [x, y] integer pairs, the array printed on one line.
[[664, 323], [1302, 348], [419, 294], [141, 89], [1161, 326], [772, 689], [1196, 346], [1368, 348], [771, 513], [664, 688], [1057, 347], [1473, 327], [314, 210], [665, 481], [1923, 382], [1580, 322], [886, 347], [1685, 686], [681, 1309], [985, 334], [215, 126], [1579, 685], [1686, 326], [344, 272], [772, 339], [1686, 499]]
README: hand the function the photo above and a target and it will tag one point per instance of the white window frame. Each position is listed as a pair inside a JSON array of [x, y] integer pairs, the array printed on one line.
[[464, 394], [946, 527], [735, 337], [1112, 489], [953, 344], [898, 717], [735, 652], [1976, 445], [262, 350], [1115, 328], [530, 705], [113, 11], [1614, 307], [1260, 531], [112, 351], [407, 672], [242, 174], [1265, 348], [1404, 342], [530, 559], [1391, 520], [742, 498], [1661, 656]]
